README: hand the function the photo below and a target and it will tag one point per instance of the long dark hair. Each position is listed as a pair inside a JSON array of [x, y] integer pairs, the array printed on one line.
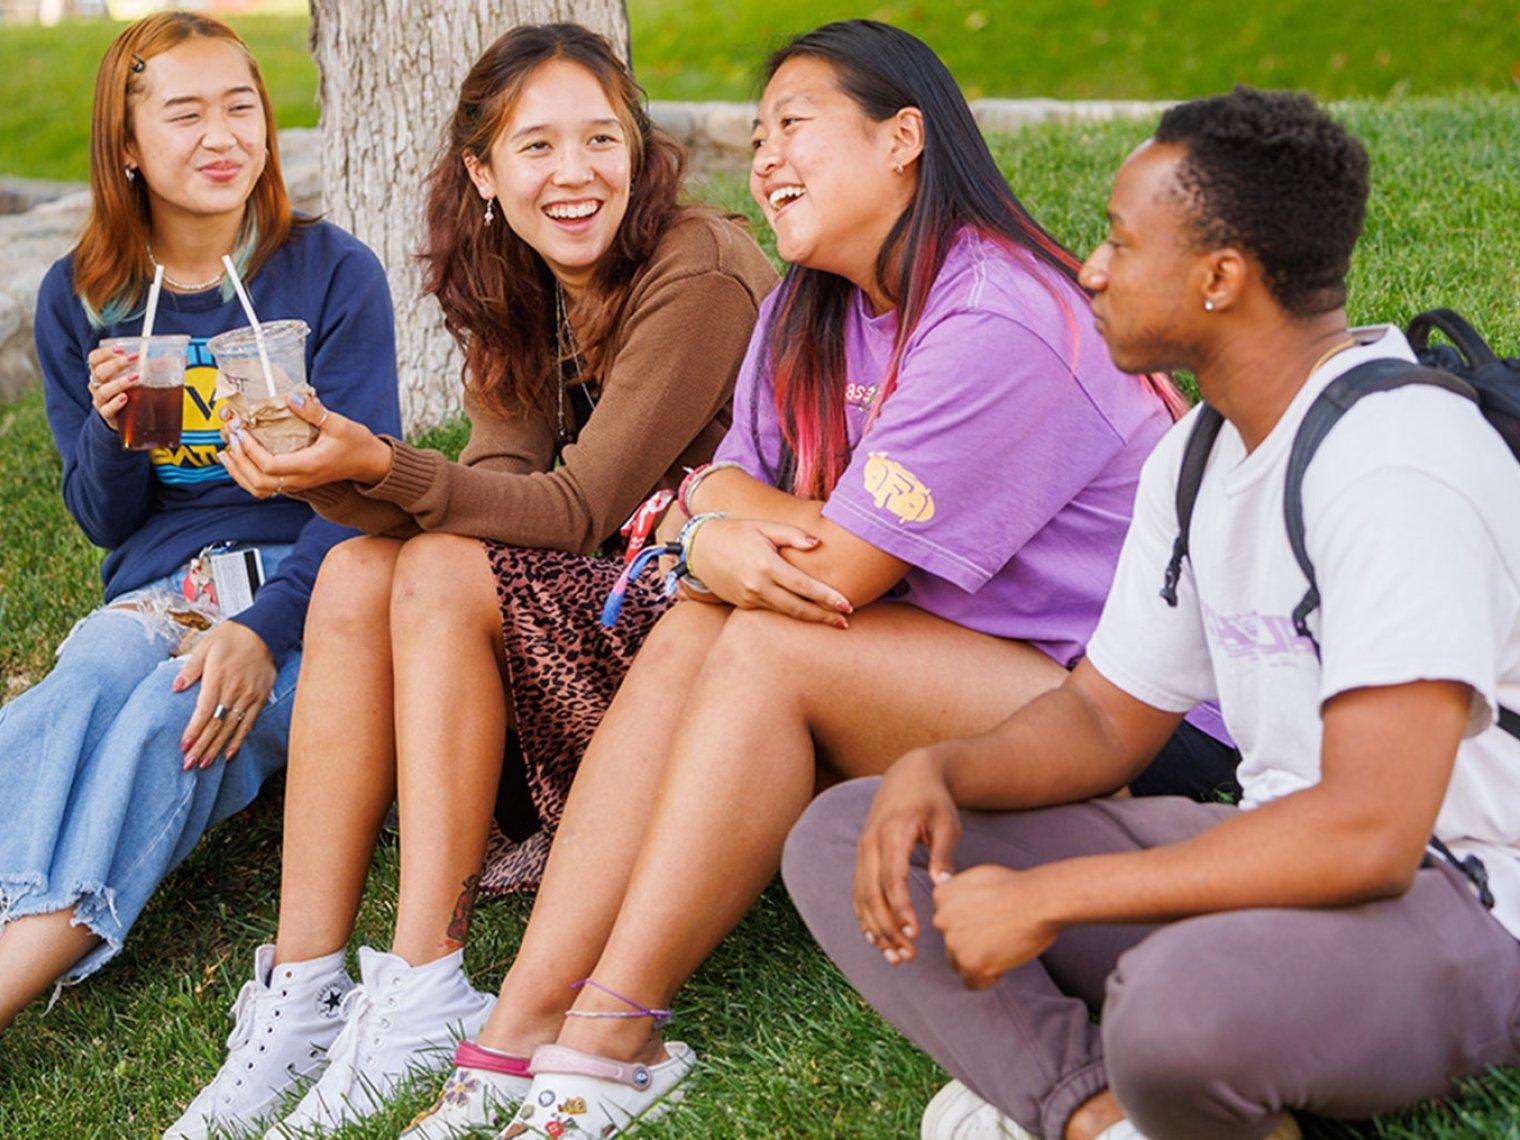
[[495, 290], [884, 69]]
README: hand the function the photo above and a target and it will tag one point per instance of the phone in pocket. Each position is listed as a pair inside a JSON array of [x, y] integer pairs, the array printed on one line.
[[238, 574]]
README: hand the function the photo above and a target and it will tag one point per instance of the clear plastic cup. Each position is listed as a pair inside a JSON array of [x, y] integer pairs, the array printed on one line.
[[246, 390], [155, 412]]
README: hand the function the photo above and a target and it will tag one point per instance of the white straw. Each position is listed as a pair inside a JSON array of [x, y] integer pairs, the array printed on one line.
[[253, 319], [153, 291]]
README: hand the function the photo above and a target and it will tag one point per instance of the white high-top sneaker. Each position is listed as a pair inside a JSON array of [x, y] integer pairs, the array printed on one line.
[[284, 1020], [400, 1019]]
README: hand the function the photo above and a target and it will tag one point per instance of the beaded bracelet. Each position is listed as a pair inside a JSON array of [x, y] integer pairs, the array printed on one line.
[[694, 479]]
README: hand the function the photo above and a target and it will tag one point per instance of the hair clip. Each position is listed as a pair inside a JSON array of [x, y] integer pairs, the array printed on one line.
[[138, 63]]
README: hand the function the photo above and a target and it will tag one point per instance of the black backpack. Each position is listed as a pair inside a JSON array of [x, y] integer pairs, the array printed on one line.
[[1467, 366]]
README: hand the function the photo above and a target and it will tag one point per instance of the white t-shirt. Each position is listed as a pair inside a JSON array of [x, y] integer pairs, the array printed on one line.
[[1412, 514]]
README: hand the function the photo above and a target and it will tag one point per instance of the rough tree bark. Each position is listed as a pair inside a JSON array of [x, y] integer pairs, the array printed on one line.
[[390, 73]]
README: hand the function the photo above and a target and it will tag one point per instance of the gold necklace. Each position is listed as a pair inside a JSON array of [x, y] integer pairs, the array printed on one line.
[[1349, 342]]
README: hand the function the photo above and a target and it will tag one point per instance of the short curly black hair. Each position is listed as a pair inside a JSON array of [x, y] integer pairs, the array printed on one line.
[[1273, 173]]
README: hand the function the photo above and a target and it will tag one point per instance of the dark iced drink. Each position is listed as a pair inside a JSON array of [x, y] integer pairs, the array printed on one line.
[[155, 411], [152, 418]]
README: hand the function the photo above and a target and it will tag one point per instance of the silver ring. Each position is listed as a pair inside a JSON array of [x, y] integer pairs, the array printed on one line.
[[323, 420], [240, 714], [92, 384], [219, 713]]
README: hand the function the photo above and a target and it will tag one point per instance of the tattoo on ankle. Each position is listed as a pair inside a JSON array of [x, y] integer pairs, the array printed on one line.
[[464, 909]]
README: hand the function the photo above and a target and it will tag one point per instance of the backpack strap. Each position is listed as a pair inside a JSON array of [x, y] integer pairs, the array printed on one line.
[[1338, 398], [1467, 340], [1195, 457]]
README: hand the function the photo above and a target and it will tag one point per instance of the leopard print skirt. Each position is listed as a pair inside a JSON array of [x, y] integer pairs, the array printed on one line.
[[563, 667]]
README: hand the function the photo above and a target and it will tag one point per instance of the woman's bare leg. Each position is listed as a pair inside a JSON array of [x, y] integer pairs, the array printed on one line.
[[342, 774], [601, 831], [744, 766], [34, 953], [452, 714]]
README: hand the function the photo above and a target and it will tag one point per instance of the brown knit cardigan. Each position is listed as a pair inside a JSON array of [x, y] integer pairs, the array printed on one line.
[[663, 406]]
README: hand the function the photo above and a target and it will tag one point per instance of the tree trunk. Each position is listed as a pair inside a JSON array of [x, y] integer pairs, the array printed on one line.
[[390, 75]]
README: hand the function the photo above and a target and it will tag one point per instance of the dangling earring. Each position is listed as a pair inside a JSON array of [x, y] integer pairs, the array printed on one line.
[[1208, 305], [490, 211], [131, 173]]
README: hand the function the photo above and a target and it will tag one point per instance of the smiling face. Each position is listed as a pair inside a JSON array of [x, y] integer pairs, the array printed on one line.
[[1147, 277], [825, 175], [561, 168], [199, 134]]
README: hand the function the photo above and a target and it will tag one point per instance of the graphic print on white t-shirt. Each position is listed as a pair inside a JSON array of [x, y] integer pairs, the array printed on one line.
[[1255, 635], [1412, 517]]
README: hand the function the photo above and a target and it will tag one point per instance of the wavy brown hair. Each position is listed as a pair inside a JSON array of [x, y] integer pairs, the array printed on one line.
[[111, 264], [496, 292]]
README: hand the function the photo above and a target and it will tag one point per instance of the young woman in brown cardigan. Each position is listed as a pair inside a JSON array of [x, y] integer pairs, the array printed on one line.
[[603, 325]]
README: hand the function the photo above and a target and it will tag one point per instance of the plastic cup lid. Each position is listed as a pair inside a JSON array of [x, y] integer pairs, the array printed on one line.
[[277, 335]]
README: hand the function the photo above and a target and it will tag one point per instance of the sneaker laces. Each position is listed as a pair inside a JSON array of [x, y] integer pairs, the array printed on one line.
[[244, 1020], [242, 1025], [343, 1058]]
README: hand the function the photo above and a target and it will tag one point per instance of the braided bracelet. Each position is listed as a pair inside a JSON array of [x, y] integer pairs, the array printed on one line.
[[682, 574], [612, 608]]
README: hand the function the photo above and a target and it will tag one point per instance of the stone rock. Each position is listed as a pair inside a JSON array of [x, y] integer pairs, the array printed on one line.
[[1013, 114], [32, 242], [679, 120], [18, 195]]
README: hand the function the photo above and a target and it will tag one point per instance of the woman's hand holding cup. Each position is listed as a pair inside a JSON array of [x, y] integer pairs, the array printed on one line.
[[344, 449], [113, 371]]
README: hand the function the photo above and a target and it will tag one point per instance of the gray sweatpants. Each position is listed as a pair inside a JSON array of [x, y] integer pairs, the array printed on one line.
[[1210, 1027]]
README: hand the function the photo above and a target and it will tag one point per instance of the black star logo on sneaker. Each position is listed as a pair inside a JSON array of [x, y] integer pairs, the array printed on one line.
[[330, 1000]]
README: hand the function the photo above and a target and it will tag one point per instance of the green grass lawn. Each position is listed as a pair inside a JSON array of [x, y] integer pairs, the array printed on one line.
[[787, 1049], [1070, 49]]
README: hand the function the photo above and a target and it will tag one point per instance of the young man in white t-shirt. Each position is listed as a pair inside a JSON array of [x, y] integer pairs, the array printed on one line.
[[1309, 952]]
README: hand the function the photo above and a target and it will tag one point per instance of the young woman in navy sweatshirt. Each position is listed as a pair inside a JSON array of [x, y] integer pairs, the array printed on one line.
[[170, 704]]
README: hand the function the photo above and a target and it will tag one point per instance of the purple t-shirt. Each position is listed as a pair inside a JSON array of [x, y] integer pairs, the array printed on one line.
[[1003, 467]]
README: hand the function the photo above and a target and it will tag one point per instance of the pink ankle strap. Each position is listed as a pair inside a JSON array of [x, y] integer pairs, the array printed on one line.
[[469, 1055], [563, 1059]]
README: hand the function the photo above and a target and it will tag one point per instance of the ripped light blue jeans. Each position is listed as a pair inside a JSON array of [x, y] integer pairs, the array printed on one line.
[[95, 808]]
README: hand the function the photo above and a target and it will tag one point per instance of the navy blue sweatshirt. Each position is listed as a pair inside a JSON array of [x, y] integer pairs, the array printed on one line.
[[153, 511]]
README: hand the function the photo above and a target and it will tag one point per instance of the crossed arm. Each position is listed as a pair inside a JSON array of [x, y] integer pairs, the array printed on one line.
[[777, 551], [1358, 835]]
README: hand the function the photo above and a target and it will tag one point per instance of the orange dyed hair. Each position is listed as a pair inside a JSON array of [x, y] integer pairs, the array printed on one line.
[[111, 265]]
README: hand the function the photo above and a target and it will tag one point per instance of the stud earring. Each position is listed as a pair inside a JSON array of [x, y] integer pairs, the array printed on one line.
[[131, 173], [490, 211], [897, 168], [1208, 305]]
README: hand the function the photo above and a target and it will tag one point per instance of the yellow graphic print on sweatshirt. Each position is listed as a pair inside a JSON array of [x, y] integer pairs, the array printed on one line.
[[193, 463]]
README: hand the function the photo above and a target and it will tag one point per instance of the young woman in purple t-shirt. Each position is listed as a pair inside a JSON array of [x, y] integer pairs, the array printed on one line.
[[909, 533]]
